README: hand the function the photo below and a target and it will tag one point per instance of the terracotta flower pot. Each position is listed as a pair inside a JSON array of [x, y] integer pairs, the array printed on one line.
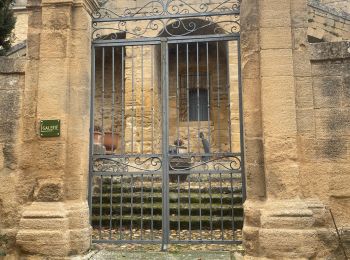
[[110, 142], [97, 137]]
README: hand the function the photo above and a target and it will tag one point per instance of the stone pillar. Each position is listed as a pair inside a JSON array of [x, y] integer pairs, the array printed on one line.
[[55, 220], [279, 221]]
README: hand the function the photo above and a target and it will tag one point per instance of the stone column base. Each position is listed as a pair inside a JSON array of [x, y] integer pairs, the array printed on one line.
[[55, 229], [287, 229]]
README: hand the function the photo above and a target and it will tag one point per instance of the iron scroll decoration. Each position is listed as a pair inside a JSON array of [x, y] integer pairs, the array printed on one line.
[[154, 163], [219, 163], [168, 18], [151, 164]]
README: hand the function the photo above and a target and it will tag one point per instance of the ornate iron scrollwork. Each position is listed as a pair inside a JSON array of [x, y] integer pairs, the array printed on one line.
[[167, 18], [127, 164], [168, 8], [230, 163]]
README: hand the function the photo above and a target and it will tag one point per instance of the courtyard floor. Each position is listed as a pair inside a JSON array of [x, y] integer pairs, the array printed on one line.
[[138, 255], [174, 252]]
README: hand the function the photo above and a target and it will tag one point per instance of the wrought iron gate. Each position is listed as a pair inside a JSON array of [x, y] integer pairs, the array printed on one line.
[[166, 160]]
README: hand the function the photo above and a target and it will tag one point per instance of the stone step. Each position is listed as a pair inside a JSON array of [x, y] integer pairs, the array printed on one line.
[[156, 209], [205, 221]]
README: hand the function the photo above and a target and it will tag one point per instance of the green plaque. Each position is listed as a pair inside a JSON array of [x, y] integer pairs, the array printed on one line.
[[50, 128]]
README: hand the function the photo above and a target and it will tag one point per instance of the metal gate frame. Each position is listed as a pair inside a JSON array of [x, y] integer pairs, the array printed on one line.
[[164, 42]]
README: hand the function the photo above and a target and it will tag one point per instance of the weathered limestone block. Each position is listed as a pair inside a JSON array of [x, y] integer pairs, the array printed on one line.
[[286, 229], [54, 229], [49, 191], [275, 13], [79, 228], [53, 238], [275, 38]]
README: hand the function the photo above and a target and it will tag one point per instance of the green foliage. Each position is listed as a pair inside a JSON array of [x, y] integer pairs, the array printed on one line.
[[7, 24], [3, 241]]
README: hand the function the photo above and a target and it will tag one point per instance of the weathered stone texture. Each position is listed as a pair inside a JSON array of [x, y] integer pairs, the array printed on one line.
[[53, 186], [11, 91], [343, 5], [296, 101], [325, 147], [303, 139], [328, 24]]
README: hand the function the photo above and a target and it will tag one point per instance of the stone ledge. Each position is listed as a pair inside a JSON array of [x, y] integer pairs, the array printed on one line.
[[45, 229], [330, 50], [286, 229], [322, 7], [45, 210], [12, 65], [90, 6]]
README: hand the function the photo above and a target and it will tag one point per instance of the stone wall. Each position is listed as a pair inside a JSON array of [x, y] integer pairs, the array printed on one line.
[[339, 4], [327, 24], [11, 91], [296, 133], [277, 68], [324, 128], [55, 218]]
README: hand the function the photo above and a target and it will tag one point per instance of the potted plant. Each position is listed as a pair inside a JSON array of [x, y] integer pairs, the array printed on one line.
[[97, 135], [110, 140]]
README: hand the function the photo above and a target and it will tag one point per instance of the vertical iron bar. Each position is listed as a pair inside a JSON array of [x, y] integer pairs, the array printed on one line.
[[211, 208], [101, 192], [228, 86], [103, 93], [200, 206], [142, 101], [189, 208], [165, 133], [92, 119], [113, 100], [241, 121], [152, 101], [123, 99], [141, 206], [131, 205], [188, 101], [198, 107], [111, 208], [221, 209], [177, 95], [152, 205], [132, 99], [218, 92], [178, 206], [121, 208], [208, 91], [232, 207], [102, 124]]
